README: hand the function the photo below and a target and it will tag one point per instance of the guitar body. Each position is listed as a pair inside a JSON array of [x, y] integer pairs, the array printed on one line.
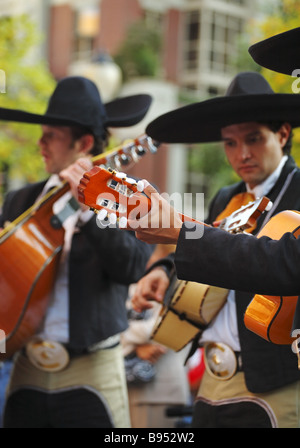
[[29, 255], [271, 317], [188, 309]]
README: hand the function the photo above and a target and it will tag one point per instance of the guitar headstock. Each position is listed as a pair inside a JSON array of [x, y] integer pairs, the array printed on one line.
[[246, 216], [127, 154], [112, 195]]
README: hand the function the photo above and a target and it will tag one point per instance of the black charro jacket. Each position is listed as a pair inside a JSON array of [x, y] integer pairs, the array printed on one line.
[[246, 264]]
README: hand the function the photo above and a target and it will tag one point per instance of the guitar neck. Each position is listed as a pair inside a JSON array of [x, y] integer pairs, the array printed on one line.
[[125, 154], [185, 218]]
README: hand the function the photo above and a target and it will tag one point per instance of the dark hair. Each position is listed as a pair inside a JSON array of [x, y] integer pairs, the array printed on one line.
[[100, 143], [274, 126]]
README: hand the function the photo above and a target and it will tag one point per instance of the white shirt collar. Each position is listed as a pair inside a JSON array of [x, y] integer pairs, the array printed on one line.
[[53, 181], [264, 188]]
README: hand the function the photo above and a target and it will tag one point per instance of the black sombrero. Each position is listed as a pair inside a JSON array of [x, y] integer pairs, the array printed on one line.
[[248, 98], [279, 53], [76, 102]]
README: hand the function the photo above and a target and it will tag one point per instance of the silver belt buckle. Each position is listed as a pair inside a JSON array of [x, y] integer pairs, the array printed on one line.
[[220, 360], [49, 356]]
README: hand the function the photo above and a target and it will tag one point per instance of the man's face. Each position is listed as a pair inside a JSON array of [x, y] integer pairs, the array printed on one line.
[[253, 150], [57, 148]]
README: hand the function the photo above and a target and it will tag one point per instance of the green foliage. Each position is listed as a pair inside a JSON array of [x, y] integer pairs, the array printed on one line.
[[140, 53], [284, 16], [28, 85]]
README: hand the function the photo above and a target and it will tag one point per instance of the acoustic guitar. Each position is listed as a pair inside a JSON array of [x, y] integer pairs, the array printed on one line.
[[30, 249], [188, 307], [271, 317]]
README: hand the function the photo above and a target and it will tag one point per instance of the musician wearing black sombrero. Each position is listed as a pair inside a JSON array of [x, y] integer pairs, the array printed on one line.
[[70, 374], [248, 382]]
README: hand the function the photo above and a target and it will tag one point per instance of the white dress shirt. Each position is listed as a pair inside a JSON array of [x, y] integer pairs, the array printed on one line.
[[56, 323]]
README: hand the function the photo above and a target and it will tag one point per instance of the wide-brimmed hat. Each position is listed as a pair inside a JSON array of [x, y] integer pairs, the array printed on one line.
[[249, 98], [76, 101], [279, 53]]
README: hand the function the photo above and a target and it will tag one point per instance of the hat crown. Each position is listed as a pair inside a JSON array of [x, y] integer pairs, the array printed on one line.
[[77, 98], [248, 83]]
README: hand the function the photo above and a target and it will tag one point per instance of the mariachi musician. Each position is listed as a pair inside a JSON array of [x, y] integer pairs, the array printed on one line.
[[248, 381], [70, 374]]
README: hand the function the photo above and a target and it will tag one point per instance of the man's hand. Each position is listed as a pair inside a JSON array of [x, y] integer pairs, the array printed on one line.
[[150, 352], [73, 175], [152, 286], [161, 225]]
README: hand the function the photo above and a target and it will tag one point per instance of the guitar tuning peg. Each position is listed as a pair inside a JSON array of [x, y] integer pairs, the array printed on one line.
[[124, 159], [117, 162], [140, 150], [101, 222], [123, 222], [140, 186], [121, 160], [134, 154], [102, 214], [120, 175], [131, 181], [269, 206], [103, 219], [112, 218], [152, 145]]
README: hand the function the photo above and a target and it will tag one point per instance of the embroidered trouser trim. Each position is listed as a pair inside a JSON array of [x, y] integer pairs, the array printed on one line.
[[221, 404], [99, 374]]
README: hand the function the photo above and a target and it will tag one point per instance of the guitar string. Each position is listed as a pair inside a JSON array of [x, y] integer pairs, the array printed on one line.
[[279, 197]]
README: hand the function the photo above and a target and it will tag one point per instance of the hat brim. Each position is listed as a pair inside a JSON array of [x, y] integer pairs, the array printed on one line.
[[202, 122], [121, 112], [127, 111], [279, 53]]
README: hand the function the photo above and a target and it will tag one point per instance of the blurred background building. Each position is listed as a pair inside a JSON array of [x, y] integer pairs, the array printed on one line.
[[195, 58]]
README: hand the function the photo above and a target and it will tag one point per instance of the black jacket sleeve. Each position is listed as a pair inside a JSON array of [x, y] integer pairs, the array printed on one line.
[[241, 262]]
